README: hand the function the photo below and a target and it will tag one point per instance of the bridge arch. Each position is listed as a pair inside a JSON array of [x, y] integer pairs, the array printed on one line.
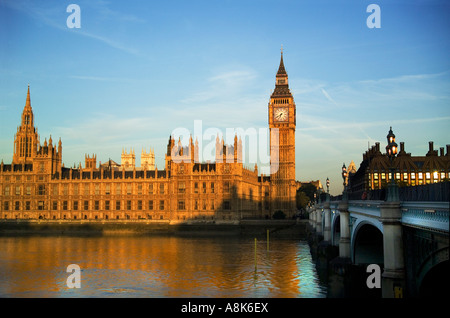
[[367, 244], [335, 228], [434, 275]]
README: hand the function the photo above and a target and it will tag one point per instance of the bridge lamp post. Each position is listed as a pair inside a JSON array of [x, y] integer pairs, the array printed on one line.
[[344, 177], [391, 151], [328, 185]]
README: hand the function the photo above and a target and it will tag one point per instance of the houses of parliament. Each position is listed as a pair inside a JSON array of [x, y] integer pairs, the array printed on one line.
[[37, 185]]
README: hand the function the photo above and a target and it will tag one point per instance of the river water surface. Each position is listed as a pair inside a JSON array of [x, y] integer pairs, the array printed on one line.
[[157, 266]]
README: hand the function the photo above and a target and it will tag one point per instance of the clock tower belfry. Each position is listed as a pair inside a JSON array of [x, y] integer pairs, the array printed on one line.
[[282, 121]]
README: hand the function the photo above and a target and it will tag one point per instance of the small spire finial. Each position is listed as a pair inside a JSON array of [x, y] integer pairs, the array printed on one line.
[[281, 49], [28, 102]]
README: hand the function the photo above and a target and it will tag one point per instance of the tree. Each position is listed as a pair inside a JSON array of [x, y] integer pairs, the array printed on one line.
[[302, 200], [309, 189]]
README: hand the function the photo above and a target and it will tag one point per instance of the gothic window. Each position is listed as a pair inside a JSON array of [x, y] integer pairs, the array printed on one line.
[[41, 189], [226, 187], [181, 187]]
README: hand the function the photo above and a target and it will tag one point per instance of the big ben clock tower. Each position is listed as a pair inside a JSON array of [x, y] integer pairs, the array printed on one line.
[[282, 121]]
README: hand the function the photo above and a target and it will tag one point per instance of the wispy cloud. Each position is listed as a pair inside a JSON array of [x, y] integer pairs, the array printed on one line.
[[52, 16], [328, 96], [222, 86]]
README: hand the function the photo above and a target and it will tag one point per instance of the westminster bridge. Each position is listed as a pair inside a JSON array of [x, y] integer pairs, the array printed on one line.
[[408, 238]]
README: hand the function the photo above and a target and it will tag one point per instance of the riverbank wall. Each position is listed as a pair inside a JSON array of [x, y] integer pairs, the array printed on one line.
[[286, 229]]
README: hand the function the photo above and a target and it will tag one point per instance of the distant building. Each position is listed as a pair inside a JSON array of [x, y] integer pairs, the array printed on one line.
[[373, 172], [317, 184]]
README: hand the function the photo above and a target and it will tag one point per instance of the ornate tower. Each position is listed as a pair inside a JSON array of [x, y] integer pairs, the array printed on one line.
[[26, 140], [282, 121], [128, 160], [148, 159]]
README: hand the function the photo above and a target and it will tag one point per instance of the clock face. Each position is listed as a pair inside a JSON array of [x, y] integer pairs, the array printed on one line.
[[280, 114]]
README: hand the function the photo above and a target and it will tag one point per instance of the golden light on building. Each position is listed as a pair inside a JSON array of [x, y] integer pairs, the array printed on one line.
[[37, 185]]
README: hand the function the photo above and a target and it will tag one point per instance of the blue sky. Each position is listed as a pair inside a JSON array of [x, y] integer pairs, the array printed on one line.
[[137, 70]]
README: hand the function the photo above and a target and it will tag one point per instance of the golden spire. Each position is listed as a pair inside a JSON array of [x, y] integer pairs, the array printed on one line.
[[28, 102]]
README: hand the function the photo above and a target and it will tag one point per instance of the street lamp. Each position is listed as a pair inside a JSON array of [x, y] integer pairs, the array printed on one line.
[[344, 177], [328, 185], [391, 152]]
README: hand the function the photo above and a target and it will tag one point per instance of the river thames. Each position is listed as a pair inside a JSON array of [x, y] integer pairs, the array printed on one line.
[[158, 266]]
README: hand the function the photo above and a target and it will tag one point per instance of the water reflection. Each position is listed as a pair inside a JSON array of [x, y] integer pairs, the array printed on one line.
[[156, 267]]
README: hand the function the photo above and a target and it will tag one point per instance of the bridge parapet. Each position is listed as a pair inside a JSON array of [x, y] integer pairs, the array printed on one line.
[[421, 214], [426, 215]]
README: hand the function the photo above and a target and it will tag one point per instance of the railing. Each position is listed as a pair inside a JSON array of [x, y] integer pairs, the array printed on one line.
[[431, 215], [436, 192]]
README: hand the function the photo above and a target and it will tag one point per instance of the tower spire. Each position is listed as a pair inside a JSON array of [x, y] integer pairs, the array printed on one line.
[[28, 102], [281, 83], [281, 69]]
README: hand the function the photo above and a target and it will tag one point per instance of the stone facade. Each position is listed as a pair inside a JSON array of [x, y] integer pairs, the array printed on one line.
[[36, 185]]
